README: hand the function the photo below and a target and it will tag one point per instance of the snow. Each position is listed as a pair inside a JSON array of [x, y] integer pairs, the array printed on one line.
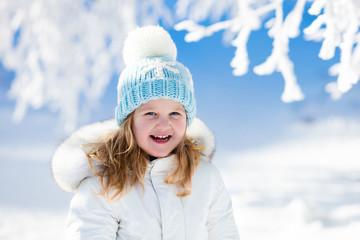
[[60, 62], [306, 186], [336, 24], [31, 205], [22, 223], [66, 51]]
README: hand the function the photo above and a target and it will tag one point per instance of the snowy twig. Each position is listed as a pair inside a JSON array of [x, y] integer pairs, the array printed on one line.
[[337, 25], [342, 21], [247, 20], [65, 51]]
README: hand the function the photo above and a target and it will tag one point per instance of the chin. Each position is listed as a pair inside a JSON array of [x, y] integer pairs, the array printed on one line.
[[160, 155]]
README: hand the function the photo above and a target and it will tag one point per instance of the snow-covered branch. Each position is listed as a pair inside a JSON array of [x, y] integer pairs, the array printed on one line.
[[337, 25], [66, 51], [63, 51]]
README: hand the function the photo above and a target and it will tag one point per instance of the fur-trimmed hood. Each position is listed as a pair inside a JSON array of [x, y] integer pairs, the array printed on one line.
[[70, 165]]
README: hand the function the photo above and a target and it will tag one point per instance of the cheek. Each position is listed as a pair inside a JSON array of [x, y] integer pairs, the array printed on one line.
[[139, 130], [181, 127]]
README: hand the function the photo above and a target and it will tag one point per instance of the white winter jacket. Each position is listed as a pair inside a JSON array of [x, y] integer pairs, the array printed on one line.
[[154, 214]]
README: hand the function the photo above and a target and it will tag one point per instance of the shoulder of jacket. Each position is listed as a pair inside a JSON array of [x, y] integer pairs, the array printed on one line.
[[208, 169]]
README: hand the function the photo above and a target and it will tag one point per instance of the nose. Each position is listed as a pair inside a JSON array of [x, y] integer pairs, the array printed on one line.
[[163, 123]]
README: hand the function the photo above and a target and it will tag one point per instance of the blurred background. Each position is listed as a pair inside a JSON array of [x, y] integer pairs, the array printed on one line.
[[287, 132]]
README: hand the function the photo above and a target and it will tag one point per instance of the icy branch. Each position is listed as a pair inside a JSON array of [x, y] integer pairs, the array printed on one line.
[[337, 26], [64, 51], [248, 19], [341, 21]]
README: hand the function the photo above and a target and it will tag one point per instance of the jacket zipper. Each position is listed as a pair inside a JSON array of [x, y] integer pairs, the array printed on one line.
[[157, 195]]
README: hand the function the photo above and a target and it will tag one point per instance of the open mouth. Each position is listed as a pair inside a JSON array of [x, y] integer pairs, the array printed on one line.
[[160, 139]]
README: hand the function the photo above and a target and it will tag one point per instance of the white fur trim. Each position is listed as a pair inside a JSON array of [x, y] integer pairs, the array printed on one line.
[[203, 137], [70, 165]]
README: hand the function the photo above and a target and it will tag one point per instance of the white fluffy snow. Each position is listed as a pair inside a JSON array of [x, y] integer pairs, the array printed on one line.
[[31, 224], [307, 187]]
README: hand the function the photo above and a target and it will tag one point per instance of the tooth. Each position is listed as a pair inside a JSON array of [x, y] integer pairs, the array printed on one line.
[[162, 136]]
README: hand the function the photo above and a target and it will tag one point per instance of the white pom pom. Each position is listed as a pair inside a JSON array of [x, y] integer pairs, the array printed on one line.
[[149, 41]]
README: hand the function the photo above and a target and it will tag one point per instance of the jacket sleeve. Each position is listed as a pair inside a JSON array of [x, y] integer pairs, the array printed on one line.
[[220, 223], [91, 217]]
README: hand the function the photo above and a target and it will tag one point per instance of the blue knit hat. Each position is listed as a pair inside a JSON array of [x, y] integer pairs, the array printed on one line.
[[152, 72]]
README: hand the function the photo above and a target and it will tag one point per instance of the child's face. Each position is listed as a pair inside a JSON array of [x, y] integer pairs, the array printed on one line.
[[159, 126]]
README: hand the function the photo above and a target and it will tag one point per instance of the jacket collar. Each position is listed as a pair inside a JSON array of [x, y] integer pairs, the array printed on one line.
[[161, 165], [70, 165]]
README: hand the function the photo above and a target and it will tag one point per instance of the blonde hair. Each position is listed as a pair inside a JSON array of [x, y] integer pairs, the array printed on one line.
[[124, 163]]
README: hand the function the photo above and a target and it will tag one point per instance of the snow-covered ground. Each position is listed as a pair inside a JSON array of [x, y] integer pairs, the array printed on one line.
[[33, 224], [306, 186]]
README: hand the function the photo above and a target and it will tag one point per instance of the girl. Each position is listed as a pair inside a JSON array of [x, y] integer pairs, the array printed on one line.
[[148, 174]]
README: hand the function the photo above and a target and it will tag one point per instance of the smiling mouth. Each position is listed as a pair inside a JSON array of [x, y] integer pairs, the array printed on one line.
[[161, 139]]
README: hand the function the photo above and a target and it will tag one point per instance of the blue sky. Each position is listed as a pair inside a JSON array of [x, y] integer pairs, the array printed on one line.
[[243, 112]]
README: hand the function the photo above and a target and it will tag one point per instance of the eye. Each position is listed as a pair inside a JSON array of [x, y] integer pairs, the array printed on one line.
[[175, 113], [150, 114]]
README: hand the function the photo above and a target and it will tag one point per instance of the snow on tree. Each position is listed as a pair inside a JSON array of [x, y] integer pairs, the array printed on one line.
[[336, 25], [63, 51]]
